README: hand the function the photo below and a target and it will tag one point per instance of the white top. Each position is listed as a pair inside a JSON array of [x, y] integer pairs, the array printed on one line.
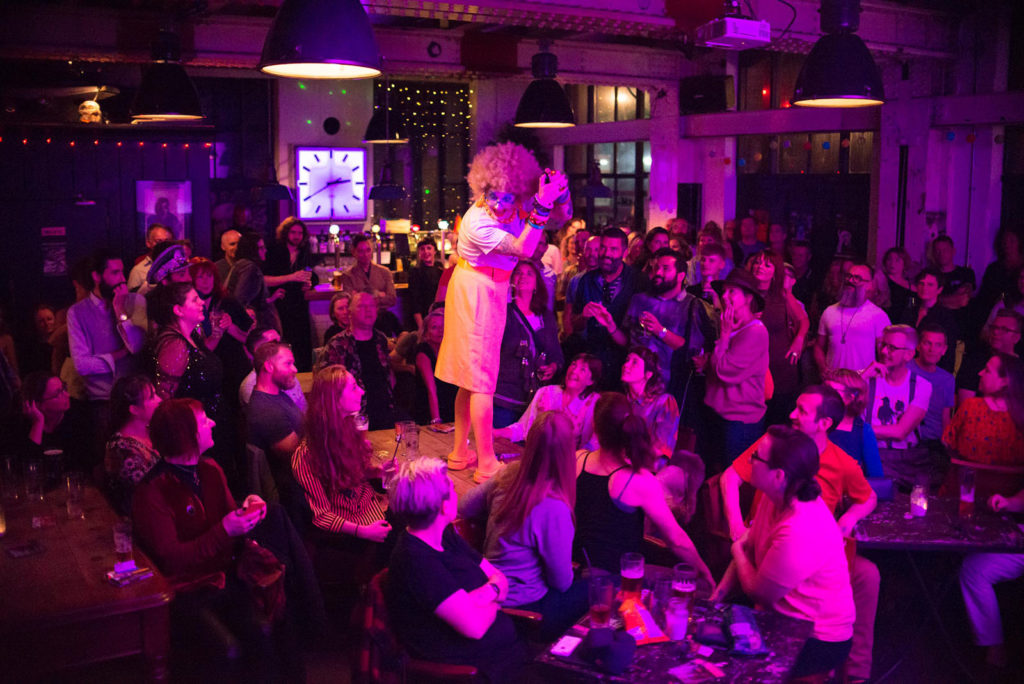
[[891, 402], [549, 398], [137, 276], [853, 333], [802, 547], [479, 233]]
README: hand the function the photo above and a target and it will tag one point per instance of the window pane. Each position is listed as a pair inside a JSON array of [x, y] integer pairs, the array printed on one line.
[[576, 158], [625, 157], [752, 154], [626, 99], [605, 104], [862, 144], [647, 157], [824, 153], [792, 155], [604, 152]]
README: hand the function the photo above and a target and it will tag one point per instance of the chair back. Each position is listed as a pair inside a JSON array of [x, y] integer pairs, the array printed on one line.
[[259, 479], [473, 531]]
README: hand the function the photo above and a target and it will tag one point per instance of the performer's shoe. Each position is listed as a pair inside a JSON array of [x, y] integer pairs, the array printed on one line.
[[455, 463], [480, 476]]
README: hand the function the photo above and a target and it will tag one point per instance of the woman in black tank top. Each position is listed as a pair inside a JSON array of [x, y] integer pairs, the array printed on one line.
[[607, 526]]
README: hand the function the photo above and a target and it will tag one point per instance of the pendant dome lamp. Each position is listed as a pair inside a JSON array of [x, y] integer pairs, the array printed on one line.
[[166, 92], [321, 39], [839, 71], [544, 104]]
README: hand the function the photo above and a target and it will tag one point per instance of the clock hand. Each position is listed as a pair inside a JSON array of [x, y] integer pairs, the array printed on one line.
[[329, 184]]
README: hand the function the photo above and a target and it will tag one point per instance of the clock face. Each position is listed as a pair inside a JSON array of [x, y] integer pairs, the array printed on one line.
[[330, 183]]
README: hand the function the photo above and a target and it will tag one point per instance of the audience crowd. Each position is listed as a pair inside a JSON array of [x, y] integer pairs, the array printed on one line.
[[631, 365]]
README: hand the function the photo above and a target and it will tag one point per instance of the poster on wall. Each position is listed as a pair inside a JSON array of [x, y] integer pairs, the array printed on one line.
[[168, 203]]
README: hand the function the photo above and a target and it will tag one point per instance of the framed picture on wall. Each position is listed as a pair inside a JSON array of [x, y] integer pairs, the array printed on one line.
[[168, 203]]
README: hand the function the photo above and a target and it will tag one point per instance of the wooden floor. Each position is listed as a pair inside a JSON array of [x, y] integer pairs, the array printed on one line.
[[438, 445]]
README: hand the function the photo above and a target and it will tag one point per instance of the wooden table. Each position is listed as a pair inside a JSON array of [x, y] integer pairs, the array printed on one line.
[[439, 445], [784, 636], [57, 609], [941, 529]]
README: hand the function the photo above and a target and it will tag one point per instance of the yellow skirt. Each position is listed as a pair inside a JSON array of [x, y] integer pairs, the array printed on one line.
[[474, 322]]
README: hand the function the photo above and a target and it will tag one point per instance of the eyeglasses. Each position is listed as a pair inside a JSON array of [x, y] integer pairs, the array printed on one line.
[[885, 346], [1003, 329], [857, 280], [63, 390], [495, 197], [756, 456]]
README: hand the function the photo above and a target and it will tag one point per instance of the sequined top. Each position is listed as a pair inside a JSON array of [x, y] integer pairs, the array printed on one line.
[[181, 370], [127, 461]]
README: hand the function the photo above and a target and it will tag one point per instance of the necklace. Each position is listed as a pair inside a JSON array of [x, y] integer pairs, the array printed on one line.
[[191, 471], [846, 329]]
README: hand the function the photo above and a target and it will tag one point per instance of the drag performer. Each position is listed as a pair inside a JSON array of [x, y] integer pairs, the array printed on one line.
[[514, 201]]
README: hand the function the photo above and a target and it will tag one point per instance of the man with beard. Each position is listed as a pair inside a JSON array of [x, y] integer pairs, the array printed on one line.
[[601, 300], [106, 331], [668, 320], [850, 328]]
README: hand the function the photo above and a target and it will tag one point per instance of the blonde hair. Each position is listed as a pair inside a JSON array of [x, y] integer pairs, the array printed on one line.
[[419, 490], [505, 167], [339, 455]]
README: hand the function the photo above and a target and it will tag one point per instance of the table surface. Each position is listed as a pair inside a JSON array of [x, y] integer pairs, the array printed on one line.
[[784, 636], [941, 529], [438, 445], [67, 581]]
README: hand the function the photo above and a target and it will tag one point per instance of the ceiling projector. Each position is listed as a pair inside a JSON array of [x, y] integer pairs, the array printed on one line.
[[734, 33]]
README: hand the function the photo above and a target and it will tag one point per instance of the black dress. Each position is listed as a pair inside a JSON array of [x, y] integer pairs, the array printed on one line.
[[230, 351], [293, 308]]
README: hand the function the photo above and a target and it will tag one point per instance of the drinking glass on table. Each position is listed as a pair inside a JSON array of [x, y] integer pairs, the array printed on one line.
[[9, 479], [602, 591], [677, 619], [408, 432], [631, 567], [362, 422], [123, 540], [34, 480], [966, 509], [684, 583], [76, 496]]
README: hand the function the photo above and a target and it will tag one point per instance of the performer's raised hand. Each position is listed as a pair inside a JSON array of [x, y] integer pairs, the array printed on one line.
[[553, 185]]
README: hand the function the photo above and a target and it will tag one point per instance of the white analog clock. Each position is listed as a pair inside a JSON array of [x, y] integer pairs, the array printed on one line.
[[330, 183]]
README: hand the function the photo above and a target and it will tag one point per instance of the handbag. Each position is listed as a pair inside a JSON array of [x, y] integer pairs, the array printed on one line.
[[261, 571]]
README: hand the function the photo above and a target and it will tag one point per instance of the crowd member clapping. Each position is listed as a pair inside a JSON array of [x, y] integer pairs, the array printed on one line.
[[990, 428], [645, 387], [616, 491], [576, 398], [442, 596], [792, 559], [130, 454], [529, 513], [530, 353]]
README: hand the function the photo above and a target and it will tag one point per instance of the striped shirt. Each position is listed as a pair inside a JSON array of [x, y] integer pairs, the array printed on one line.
[[360, 505]]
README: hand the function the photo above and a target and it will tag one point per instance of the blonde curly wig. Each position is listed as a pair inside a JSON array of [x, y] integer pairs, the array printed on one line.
[[505, 167]]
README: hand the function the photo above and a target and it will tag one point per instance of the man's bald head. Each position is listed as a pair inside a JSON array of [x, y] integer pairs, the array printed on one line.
[[229, 243]]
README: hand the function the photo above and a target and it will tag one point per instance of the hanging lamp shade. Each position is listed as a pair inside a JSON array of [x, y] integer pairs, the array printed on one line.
[[166, 92], [384, 128], [321, 39], [839, 72], [387, 189], [544, 104]]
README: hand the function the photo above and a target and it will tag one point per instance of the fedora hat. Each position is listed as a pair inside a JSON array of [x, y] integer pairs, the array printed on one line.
[[743, 279]]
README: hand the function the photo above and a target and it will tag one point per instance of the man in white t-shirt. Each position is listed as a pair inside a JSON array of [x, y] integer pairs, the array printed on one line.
[[898, 398], [850, 328]]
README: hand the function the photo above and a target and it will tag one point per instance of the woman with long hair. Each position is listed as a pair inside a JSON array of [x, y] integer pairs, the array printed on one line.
[[616, 491], [435, 397], [645, 389], [248, 284], [853, 435], [792, 560], [225, 324], [892, 283], [787, 325], [290, 262], [575, 397], [530, 526], [339, 314], [990, 428], [333, 462], [530, 352], [130, 454]]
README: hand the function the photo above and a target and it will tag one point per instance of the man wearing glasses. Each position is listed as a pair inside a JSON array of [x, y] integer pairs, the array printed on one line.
[[897, 397], [850, 328]]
